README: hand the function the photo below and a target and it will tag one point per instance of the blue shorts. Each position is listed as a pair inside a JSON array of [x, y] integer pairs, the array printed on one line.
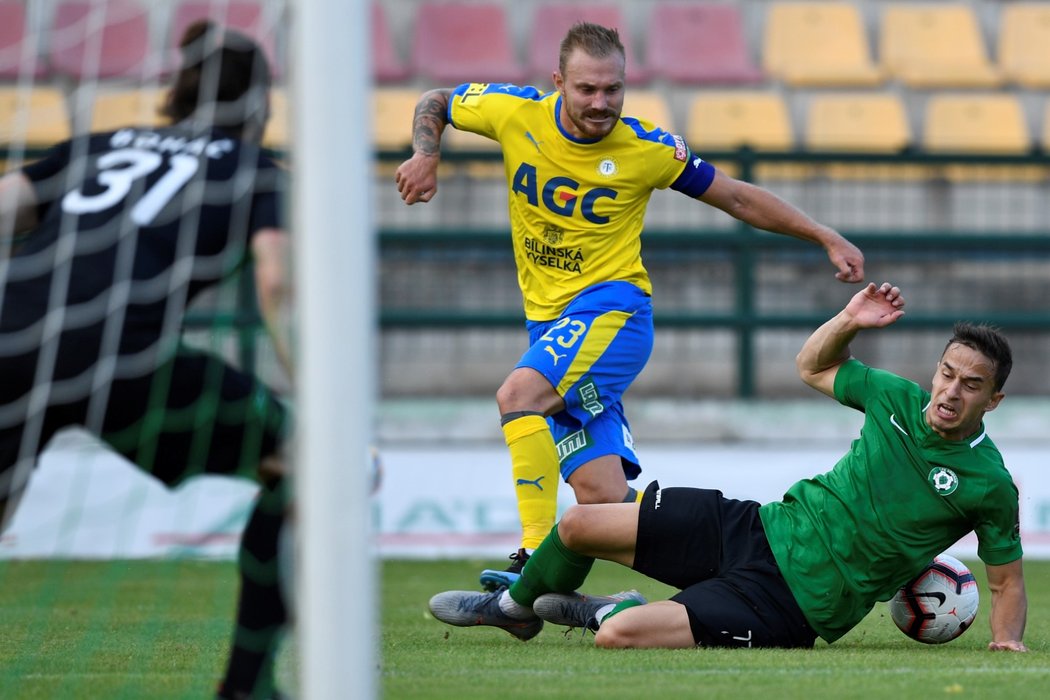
[[590, 355]]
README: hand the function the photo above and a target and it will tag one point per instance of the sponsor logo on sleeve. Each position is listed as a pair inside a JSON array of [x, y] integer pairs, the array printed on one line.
[[681, 151], [474, 90]]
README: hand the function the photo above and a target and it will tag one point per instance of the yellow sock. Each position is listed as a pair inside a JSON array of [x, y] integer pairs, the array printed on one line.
[[534, 466]]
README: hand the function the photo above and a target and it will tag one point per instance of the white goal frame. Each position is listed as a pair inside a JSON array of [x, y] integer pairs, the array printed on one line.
[[334, 268]]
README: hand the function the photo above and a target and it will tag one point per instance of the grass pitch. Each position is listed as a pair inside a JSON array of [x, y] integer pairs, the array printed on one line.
[[159, 629]]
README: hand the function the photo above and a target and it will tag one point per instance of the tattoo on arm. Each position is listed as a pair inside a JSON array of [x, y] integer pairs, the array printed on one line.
[[429, 121]]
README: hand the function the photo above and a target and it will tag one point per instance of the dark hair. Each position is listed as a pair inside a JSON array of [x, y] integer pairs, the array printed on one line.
[[223, 71], [594, 39], [988, 341]]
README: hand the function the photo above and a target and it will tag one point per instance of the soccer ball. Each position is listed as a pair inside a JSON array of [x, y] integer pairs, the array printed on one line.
[[939, 604]]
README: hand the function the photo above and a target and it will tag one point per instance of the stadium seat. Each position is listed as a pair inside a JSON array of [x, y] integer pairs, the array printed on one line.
[[456, 42], [387, 66], [277, 135], [732, 119], [453, 140], [550, 22], [457, 140], [935, 46], [819, 44], [699, 44], [249, 17], [33, 117], [112, 109], [18, 49], [650, 105], [984, 123], [392, 110], [89, 40], [869, 122], [991, 123], [1024, 44], [862, 122], [1045, 136]]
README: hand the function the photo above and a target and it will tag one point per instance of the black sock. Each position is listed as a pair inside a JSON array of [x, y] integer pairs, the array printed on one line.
[[261, 612]]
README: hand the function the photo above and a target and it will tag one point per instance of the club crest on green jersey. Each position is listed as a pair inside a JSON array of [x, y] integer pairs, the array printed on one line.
[[943, 480]]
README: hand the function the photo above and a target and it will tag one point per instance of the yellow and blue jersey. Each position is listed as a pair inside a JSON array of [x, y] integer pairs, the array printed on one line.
[[576, 205]]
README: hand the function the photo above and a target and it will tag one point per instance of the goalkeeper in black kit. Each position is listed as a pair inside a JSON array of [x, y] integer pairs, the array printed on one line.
[[104, 241]]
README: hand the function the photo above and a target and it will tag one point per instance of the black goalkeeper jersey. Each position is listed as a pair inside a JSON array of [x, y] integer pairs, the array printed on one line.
[[132, 225]]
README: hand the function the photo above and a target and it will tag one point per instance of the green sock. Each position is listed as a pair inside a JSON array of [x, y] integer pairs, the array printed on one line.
[[618, 608], [552, 568]]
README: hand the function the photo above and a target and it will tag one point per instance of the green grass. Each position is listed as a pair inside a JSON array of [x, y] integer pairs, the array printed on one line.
[[149, 629]]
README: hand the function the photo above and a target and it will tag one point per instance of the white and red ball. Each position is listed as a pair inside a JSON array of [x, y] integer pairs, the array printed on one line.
[[939, 604]]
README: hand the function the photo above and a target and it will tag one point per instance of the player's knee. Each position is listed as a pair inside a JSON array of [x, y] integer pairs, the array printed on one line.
[[569, 526], [574, 528], [527, 390], [615, 633], [590, 486]]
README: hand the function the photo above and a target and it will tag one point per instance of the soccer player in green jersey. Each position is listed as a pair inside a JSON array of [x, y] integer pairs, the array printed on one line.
[[580, 175], [922, 474]]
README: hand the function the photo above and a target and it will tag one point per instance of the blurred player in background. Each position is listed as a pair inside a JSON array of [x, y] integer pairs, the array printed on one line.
[[108, 237], [922, 474], [580, 176]]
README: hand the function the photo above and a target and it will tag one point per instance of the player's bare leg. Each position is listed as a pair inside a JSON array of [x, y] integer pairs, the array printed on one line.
[[602, 481], [601, 530], [660, 625]]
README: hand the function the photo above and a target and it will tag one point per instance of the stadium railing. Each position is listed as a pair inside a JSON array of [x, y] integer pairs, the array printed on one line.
[[739, 248]]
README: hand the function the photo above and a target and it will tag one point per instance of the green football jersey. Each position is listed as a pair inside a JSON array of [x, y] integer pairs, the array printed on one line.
[[899, 497]]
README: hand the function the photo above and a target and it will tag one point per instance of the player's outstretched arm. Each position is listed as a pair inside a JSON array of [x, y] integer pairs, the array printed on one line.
[[1009, 606], [416, 178], [825, 351], [763, 209]]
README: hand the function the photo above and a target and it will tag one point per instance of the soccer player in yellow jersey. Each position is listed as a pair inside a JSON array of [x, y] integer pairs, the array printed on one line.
[[580, 175]]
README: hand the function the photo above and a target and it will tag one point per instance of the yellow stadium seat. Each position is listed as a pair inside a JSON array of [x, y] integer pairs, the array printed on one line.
[[935, 46], [727, 120], [984, 123], [818, 44], [34, 117], [1045, 142], [278, 135], [978, 124], [860, 122], [392, 110], [1024, 44], [649, 105], [731, 119], [456, 140], [874, 122], [112, 109]]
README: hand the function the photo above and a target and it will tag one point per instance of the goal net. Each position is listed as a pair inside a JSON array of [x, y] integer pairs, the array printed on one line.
[[138, 375]]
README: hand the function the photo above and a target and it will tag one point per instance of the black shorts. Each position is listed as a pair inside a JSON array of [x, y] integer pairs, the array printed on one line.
[[715, 550], [193, 415]]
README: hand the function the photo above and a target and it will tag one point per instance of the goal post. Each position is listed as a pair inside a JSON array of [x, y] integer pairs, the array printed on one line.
[[334, 267]]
